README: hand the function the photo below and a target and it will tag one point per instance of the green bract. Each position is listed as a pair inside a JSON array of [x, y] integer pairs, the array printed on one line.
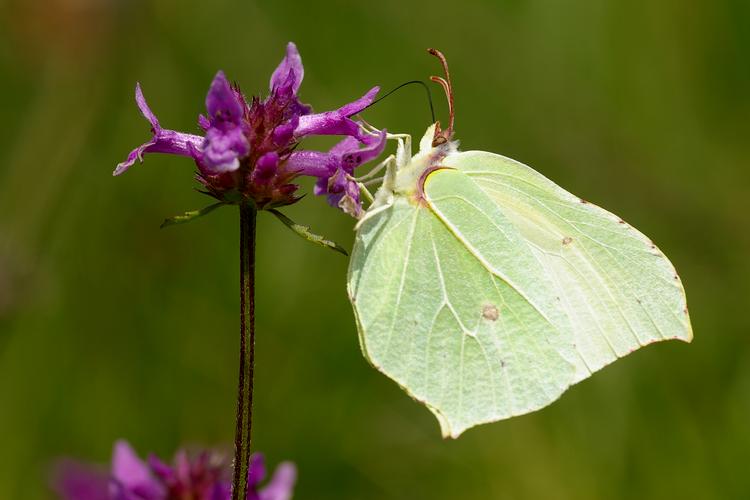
[[485, 290]]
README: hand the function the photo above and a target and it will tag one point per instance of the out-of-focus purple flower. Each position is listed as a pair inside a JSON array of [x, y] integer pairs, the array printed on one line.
[[75, 481], [334, 169], [203, 477], [247, 146], [279, 487], [131, 477]]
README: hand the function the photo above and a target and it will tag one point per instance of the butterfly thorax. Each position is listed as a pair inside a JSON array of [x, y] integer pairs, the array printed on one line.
[[410, 176], [404, 177]]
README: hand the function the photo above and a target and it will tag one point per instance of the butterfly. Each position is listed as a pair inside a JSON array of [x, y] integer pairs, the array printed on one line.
[[485, 290]]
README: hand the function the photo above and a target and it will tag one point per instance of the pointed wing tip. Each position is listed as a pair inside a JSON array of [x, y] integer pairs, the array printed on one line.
[[688, 338], [448, 435]]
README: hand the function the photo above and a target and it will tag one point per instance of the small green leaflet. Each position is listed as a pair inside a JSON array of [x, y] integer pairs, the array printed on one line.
[[190, 215], [298, 229], [305, 233], [485, 290]]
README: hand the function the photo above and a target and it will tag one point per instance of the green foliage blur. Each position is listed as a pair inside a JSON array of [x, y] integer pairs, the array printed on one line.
[[112, 328]]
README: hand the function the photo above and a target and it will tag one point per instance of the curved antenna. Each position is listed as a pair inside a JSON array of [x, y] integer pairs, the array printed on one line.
[[411, 82], [441, 136]]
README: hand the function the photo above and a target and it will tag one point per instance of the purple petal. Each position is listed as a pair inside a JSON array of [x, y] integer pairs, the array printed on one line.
[[284, 133], [167, 141], [127, 467], [354, 158], [337, 182], [290, 65], [344, 146], [145, 110], [118, 491], [265, 168], [221, 491], [257, 471], [357, 106], [328, 123], [281, 485], [162, 141], [159, 468], [75, 481], [182, 467], [203, 122], [223, 103], [132, 477], [343, 192], [312, 163], [336, 122], [321, 186], [222, 150]]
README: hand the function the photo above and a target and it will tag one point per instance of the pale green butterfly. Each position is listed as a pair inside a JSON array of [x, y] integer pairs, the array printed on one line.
[[485, 290]]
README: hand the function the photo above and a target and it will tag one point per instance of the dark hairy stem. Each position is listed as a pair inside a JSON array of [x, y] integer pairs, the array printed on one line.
[[247, 352]]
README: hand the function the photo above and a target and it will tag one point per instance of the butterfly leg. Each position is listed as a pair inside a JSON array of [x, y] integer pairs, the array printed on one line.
[[403, 151], [367, 127], [392, 165], [365, 192], [377, 168], [390, 172], [384, 196]]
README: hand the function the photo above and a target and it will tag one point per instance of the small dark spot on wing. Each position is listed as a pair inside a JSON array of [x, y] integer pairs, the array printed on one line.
[[490, 312], [567, 240]]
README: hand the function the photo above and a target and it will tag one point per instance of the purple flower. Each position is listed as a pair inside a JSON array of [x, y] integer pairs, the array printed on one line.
[[335, 169], [203, 477], [248, 147]]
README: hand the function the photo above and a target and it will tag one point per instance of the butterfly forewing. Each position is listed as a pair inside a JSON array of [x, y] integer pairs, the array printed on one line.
[[617, 288]]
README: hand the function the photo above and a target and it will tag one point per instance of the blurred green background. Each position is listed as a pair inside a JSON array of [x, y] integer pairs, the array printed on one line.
[[110, 327]]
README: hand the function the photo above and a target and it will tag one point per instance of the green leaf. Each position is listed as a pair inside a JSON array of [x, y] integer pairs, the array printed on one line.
[[304, 232], [191, 215]]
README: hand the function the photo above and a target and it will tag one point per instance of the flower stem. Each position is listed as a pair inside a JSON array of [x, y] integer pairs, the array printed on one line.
[[247, 352]]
